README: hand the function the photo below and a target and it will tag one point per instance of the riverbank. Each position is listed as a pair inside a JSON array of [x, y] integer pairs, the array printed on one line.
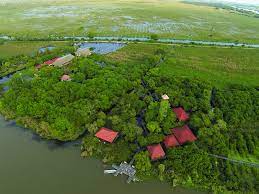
[[31, 161], [143, 39]]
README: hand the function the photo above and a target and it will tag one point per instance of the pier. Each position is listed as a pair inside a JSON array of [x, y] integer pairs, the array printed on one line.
[[124, 168]]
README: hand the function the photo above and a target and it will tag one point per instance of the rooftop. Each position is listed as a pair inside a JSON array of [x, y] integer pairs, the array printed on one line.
[[156, 151], [65, 78], [83, 52], [181, 114], [171, 141], [184, 134], [107, 135], [63, 60], [50, 62], [165, 97]]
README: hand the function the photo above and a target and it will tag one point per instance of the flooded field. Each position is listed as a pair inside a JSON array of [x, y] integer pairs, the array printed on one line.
[[44, 49], [101, 47], [168, 19]]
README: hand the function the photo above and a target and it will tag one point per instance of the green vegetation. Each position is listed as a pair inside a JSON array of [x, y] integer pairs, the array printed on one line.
[[220, 66], [243, 11], [124, 94], [14, 55], [15, 48], [168, 19]]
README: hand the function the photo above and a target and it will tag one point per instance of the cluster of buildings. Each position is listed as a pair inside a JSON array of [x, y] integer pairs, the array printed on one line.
[[178, 136], [65, 60]]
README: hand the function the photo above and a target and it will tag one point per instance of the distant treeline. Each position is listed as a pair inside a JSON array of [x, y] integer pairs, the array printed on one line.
[[223, 6]]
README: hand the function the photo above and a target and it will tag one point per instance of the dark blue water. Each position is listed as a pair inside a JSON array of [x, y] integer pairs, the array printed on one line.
[[102, 47], [44, 49]]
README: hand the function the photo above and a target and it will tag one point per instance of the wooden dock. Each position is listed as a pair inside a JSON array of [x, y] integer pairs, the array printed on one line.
[[124, 168]]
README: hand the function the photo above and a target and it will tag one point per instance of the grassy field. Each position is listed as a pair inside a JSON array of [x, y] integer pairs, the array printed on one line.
[[166, 18], [220, 66], [9, 49]]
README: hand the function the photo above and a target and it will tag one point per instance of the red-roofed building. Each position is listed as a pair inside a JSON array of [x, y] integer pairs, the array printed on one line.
[[171, 141], [181, 114], [184, 134], [38, 66], [106, 134], [65, 78], [156, 151], [50, 62]]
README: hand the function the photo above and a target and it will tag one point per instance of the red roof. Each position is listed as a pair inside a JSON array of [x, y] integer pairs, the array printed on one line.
[[156, 151], [106, 134], [181, 114], [171, 141], [50, 62], [184, 134]]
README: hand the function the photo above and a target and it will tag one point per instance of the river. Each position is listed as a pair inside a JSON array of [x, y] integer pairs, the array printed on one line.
[[147, 39], [30, 165], [166, 40]]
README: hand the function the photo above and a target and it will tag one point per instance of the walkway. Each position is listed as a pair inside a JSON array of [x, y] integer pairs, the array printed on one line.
[[235, 161]]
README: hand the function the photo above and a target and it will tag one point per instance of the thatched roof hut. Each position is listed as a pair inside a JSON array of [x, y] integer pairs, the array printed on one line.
[[83, 52], [63, 60]]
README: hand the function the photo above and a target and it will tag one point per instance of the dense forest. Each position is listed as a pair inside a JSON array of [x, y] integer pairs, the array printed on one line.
[[126, 97]]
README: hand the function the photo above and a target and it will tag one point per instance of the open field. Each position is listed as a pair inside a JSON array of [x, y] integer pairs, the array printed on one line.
[[9, 49], [221, 66], [124, 18]]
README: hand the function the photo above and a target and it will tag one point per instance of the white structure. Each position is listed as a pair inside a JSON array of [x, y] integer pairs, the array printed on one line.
[[83, 52], [63, 60], [165, 97]]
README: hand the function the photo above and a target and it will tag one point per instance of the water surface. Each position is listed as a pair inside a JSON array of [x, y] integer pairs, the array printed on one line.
[[168, 41], [44, 49], [102, 47], [29, 165]]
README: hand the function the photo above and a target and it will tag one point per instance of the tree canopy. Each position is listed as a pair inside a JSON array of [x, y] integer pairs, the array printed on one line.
[[126, 97]]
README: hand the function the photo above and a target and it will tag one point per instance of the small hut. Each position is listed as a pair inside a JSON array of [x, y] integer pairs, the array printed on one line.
[[171, 141], [165, 97], [184, 135], [181, 114], [107, 135], [38, 66], [156, 152], [63, 60], [83, 52], [65, 78], [50, 62]]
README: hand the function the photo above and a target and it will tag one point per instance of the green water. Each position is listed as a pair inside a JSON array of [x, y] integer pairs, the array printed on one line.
[[29, 165]]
